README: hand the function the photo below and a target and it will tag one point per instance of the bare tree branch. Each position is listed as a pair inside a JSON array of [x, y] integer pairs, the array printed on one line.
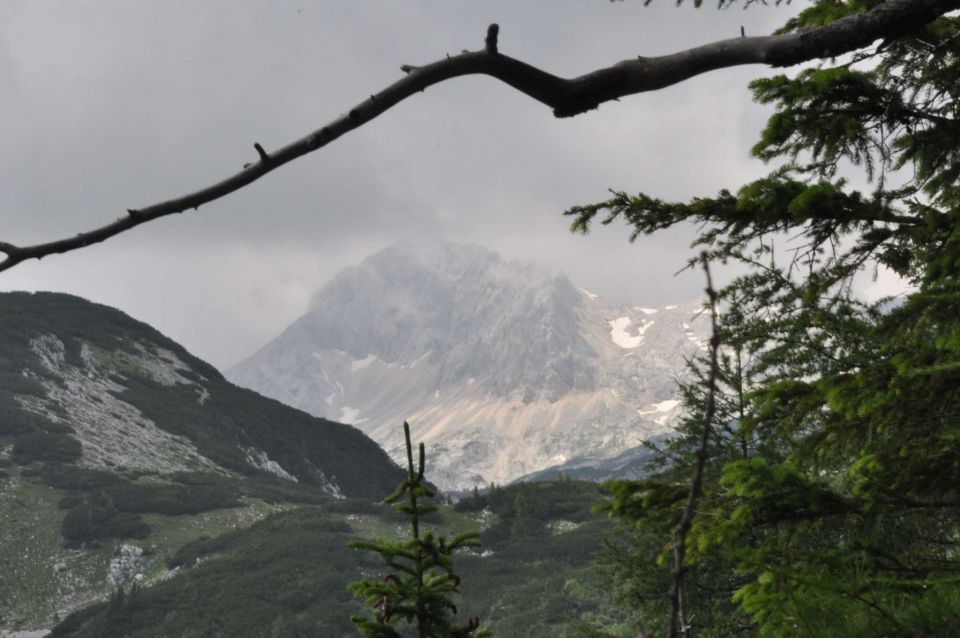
[[567, 97], [678, 621]]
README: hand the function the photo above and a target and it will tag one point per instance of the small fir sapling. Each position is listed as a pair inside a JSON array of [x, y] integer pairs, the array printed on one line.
[[415, 591]]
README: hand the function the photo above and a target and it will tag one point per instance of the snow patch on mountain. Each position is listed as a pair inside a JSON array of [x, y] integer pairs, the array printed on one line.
[[360, 364], [501, 368], [663, 406], [662, 410], [621, 336]]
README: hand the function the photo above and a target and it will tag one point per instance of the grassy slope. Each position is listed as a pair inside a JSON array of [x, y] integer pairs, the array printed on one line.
[[287, 575], [42, 581]]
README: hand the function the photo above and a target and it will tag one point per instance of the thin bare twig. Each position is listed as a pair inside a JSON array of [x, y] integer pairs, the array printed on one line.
[[678, 621], [567, 97]]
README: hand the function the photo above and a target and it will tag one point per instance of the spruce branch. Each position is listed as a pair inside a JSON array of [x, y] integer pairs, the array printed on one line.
[[566, 97]]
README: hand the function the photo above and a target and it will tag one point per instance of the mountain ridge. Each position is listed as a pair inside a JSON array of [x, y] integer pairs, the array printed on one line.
[[503, 368], [87, 368], [117, 446]]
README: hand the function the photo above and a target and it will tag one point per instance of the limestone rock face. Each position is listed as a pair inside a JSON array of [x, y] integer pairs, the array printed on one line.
[[128, 565], [502, 368]]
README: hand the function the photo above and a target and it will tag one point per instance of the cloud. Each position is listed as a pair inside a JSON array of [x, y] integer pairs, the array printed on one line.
[[124, 104]]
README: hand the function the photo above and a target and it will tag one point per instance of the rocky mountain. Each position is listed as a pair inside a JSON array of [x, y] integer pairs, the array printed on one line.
[[117, 446], [503, 368], [85, 384]]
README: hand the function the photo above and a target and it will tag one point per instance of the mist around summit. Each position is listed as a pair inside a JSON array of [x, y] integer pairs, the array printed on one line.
[[503, 368]]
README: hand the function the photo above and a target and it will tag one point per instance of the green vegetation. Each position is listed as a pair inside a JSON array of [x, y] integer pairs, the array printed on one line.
[[831, 497], [26, 316], [419, 583], [42, 575], [540, 578], [96, 519], [287, 575], [54, 445], [542, 500], [102, 505], [281, 573], [31, 547]]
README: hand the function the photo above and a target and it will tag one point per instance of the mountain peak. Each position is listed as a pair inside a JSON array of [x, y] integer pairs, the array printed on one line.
[[462, 306], [503, 367]]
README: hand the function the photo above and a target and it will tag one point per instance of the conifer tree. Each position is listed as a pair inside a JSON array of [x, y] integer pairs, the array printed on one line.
[[831, 500], [416, 590]]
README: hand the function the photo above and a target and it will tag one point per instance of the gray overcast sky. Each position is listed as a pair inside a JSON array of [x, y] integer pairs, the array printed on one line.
[[112, 105]]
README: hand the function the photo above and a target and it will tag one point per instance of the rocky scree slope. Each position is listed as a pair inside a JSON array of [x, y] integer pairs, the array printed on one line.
[[117, 446], [503, 368]]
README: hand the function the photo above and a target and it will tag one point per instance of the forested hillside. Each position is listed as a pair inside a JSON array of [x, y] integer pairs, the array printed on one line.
[[286, 576], [112, 435]]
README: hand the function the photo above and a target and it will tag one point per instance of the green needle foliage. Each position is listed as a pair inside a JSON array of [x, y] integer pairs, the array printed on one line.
[[416, 590], [831, 500]]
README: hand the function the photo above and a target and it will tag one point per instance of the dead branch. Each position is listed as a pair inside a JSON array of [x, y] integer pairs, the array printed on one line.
[[567, 97]]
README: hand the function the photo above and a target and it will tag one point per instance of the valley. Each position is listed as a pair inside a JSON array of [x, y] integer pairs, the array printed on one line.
[[129, 465]]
